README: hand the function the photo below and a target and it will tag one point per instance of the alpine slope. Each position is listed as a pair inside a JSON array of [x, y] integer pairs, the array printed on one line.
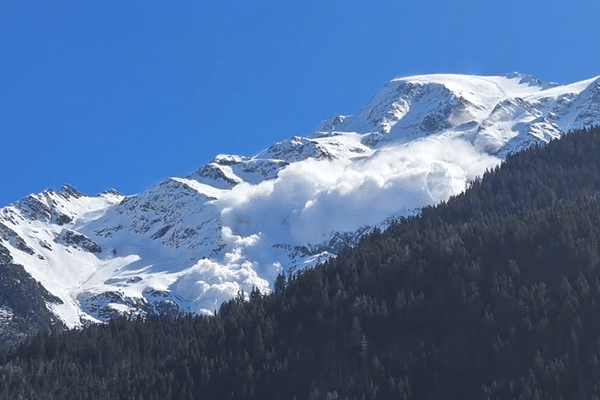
[[187, 244]]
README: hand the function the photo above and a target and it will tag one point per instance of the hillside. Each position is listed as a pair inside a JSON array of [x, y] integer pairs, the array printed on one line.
[[188, 244], [492, 294]]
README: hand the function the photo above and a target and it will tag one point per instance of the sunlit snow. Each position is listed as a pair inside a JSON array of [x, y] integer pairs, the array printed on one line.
[[194, 242]]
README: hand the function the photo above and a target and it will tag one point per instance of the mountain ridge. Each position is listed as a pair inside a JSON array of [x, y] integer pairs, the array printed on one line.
[[188, 244], [493, 293]]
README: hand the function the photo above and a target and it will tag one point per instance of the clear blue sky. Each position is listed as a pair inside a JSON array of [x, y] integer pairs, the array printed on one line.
[[123, 93]]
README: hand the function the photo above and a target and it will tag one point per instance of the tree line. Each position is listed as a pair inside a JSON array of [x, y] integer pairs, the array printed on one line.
[[493, 294]]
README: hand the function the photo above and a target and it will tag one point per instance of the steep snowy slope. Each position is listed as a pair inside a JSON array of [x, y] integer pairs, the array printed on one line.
[[188, 244]]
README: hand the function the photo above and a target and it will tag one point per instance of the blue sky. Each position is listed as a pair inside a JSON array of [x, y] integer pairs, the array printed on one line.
[[119, 94]]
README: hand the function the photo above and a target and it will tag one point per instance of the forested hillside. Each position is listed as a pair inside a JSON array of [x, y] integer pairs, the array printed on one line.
[[494, 294]]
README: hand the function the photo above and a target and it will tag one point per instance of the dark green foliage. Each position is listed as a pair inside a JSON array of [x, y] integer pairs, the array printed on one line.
[[494, 294]]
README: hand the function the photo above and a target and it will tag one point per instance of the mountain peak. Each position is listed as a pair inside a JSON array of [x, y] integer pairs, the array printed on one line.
[[109, 192], [67, 191], [530, 80], [188, 244]]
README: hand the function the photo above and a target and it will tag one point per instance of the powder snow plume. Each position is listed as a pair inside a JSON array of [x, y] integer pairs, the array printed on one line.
[[187, 244]]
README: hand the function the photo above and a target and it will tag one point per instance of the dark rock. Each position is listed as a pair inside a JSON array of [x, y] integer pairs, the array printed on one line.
[[123, 281], [108, 232], [33, 209], [5, 257], [214, 173], [77, 240], [62, 219], [14, 239], [45, 245], [161, 232], [109, 191], [68, 191], [27, 300], [430, 124]]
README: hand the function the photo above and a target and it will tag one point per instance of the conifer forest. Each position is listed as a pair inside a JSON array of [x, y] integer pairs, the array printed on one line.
[[494, 294]]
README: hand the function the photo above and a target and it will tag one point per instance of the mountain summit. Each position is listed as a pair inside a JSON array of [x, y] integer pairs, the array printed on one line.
[[186, 244]]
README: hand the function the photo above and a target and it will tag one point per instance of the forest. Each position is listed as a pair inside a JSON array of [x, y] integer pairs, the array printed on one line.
[[494, 294]]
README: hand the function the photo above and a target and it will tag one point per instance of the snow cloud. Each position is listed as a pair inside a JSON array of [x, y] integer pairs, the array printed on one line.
[[312, 198], [207, 284]]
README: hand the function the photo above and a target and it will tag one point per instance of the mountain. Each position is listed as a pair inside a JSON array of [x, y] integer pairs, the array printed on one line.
[[187, 244], [493, 294]]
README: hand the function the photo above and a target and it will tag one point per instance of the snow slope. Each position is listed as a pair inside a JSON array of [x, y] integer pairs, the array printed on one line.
[[188, 244]]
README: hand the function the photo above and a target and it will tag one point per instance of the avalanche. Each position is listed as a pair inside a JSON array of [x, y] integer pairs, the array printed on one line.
[[188, 244]]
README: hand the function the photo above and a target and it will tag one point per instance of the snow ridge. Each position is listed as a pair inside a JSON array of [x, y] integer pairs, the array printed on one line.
[[188, 244]]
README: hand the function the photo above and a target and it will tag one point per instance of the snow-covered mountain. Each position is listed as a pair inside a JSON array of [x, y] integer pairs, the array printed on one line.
[[188, 244]]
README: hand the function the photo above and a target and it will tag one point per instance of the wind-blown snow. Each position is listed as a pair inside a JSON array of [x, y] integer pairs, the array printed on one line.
[[312, 198], [188, 244]]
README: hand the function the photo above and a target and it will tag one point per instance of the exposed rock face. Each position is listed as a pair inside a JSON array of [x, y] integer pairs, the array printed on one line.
[[23, 303], [296, 149], [11, 237], [77, 240]]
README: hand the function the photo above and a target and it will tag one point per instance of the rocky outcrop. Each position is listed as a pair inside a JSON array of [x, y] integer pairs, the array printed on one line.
[[77, 240], [23, 303]]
